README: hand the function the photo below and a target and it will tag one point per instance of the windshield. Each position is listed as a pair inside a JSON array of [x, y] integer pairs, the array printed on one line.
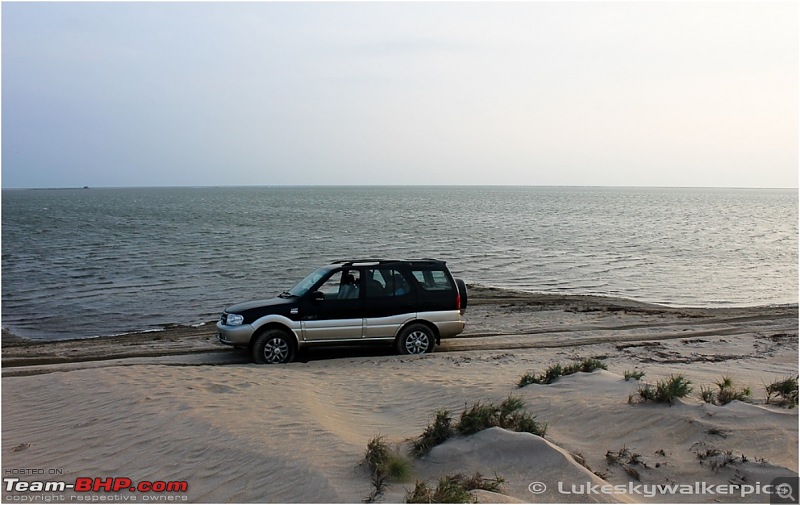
[[303, 286]]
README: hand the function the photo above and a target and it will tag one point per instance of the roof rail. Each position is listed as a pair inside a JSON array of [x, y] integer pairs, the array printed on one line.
[[381, 260], [359, 260]]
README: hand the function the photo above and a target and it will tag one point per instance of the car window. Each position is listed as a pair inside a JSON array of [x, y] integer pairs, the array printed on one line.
[[433, 280], [343, 285], [382, 282], [303, 286]]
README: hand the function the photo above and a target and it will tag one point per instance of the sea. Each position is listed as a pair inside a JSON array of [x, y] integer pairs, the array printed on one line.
[[82, 263]]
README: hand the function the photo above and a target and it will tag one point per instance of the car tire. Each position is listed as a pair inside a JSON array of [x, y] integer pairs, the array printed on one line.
[[274, 346], [415, 339]]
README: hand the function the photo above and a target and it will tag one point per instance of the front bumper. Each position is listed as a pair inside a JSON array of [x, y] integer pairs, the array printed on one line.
[[238, 336]]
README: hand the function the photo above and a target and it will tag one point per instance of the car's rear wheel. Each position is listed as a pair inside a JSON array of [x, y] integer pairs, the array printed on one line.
[[273, 346], [416, 339]]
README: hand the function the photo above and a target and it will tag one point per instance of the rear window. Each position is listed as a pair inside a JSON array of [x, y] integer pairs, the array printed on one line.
[[383, 282], [433, 280]]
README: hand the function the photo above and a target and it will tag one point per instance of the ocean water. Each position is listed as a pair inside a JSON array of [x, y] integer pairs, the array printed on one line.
[[97, 262]]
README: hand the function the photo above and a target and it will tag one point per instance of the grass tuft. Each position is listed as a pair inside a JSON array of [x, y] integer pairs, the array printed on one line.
[[478, 417], [633, 375], [627, 459], [553, 372], [453, 489], [384, 464], [510, 414], [437, 432], [716, 459], [783, 392], [726, 392], [399, 468], [378, 453], [588, 365], [707, 394], [666, 391]]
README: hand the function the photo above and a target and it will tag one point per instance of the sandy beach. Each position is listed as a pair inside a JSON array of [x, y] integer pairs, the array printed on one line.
[[175, 406]]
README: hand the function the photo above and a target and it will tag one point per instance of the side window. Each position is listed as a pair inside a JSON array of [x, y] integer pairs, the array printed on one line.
[[342, 285], [383, 282], [433, 280]]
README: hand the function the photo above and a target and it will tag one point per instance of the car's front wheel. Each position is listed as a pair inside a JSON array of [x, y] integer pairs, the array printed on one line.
[[273, 346], [416, 339]]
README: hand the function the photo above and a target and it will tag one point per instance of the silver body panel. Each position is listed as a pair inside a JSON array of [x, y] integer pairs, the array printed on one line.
[[389, 327], [332, 329], [448, 324]]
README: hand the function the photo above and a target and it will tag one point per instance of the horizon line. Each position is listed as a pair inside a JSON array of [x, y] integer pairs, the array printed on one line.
[[189, 186]]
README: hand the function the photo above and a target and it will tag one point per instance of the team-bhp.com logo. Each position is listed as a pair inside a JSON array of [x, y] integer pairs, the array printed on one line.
[[95, 485]]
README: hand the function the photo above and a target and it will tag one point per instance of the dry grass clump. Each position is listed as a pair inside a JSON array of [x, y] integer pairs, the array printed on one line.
[[717, 459], [453, 489], [555, 371], [726, 392], [633, 375], [665, 391], [510, 414], [783, 392], [628, 460], [435, 433], [384, 464]]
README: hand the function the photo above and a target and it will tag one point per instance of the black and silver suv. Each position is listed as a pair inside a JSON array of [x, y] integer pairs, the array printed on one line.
[[412, 303]]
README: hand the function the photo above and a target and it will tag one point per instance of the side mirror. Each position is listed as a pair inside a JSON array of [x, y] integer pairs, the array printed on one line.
[[317, 296]]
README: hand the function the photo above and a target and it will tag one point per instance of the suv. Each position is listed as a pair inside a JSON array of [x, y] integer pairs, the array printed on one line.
[[412, 303]]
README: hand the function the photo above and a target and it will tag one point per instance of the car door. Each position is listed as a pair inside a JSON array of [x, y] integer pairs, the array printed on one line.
[[389, 302], [332, 311]]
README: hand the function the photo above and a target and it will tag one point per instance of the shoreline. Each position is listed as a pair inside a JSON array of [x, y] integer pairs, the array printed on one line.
[[479, 294], [494, 318]]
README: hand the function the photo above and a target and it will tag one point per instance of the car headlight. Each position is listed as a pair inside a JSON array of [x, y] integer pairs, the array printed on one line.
[[234, 319]]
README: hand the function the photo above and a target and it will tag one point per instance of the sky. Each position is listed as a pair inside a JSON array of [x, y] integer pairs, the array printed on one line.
[[672, 93]]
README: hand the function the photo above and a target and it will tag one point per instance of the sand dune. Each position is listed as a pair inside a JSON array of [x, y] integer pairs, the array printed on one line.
[[522, 459], [238, 432]]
